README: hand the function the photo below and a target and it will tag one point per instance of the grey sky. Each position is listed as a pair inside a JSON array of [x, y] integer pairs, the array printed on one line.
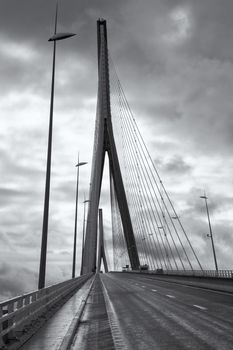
[[175, 62]]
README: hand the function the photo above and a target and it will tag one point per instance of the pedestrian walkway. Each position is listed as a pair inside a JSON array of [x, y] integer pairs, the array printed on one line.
[[50, 336]]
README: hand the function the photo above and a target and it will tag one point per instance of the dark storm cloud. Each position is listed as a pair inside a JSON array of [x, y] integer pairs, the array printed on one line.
[[25, 28], [176, 165], [140, 57], [212, 17], [187, 90], [35, 21]]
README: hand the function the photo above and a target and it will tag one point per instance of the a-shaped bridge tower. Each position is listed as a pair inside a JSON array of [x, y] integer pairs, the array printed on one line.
[[104, 142]]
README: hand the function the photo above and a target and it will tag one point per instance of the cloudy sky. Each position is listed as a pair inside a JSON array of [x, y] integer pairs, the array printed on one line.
[[175, 61]]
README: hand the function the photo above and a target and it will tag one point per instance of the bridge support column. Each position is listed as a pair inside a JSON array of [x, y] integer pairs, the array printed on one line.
[[104, 142]]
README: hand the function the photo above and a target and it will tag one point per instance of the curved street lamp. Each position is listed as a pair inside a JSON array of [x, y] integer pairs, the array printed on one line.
[[211, 233], [83, 239], [54, 39], [76, 217]]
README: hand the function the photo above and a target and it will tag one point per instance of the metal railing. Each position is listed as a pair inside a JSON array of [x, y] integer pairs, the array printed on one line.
[[196, 273], [18, 315]]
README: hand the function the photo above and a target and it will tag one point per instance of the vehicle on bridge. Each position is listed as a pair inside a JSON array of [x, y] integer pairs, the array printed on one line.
[[144, 267], [125, 268]]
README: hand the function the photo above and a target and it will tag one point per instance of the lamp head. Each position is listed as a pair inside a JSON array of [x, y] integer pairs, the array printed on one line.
[[61, 36], [80, 164]]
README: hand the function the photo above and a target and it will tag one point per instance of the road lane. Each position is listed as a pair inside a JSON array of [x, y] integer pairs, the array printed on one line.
[[219, 305], [152, 314], [222, 302]]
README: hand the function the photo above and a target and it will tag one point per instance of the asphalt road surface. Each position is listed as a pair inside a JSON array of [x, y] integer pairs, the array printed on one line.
[[152, 314]]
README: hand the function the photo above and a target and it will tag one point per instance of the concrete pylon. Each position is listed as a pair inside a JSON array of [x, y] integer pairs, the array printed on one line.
[[104, 142]]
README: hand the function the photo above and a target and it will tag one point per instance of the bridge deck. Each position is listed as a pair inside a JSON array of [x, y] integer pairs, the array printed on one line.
[[132, 311]]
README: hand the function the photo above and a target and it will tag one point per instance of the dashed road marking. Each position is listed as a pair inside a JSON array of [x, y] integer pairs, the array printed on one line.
[[170, 296], [154, 290], [143, 287], [200, 307]]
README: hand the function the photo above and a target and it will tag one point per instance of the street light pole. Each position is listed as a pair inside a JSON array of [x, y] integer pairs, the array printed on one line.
[[84, 219], [43, 256], [211, 233], [76, 217]]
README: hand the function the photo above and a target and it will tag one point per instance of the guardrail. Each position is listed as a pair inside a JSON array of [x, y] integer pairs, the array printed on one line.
[[19, 315], [196, 273], [203, 273]]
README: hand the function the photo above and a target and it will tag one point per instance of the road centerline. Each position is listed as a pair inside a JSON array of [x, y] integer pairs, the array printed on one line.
[[200, 307], [170, 296]]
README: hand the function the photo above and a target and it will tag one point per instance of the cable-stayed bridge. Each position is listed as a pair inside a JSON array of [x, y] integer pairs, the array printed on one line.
[[163, 298]]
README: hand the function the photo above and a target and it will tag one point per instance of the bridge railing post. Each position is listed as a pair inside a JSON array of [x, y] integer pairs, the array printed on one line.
[[8, 323], [27, 300], [19, 305], [4, 325]]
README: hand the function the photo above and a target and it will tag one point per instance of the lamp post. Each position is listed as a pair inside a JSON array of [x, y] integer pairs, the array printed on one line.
[[76, 217], [211, 233], [54, 38], [84, 219]]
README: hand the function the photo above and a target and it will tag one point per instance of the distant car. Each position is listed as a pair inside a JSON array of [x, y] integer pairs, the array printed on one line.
[[125, 268], [159, 271], [144, 267]]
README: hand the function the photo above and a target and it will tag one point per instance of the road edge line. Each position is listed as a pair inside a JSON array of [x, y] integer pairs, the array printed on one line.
[[219, 291], [113, 321]]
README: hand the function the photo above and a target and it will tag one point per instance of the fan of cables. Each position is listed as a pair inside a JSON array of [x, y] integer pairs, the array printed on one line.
[[161, 239]]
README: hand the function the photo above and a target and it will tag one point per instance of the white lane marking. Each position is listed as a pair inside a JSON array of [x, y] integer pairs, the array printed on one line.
[[200, 307], [154, 290], [143, 287], [189, 286], [170, 296]]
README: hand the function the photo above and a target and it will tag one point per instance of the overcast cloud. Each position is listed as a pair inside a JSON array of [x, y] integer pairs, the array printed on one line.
[[175, 61]]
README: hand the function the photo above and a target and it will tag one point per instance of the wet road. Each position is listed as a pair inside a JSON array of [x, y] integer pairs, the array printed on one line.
[[154, 314]]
